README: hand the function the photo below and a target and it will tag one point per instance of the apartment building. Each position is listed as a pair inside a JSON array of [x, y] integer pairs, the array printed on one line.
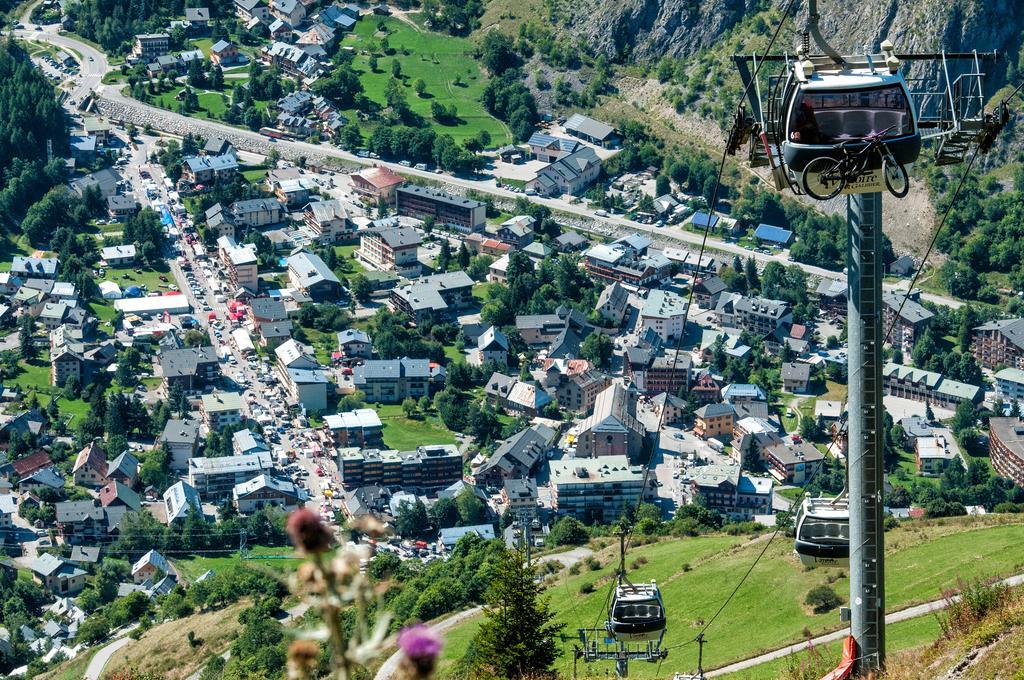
[[427, 469], [715, 420], [726, 489], [149, 46], [361, 428], [221, 409], [215, 478], [906, 317], [391, 381], [664, 313], [462, 214], [999, 343], [241, 262], [791, 463], [1006, 448], [595, 490], [328, 221], [927, 386], [391, 249]]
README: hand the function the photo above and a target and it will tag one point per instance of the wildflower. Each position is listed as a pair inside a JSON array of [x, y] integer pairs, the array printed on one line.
[[421, 646], [302, 659], [307, 532]]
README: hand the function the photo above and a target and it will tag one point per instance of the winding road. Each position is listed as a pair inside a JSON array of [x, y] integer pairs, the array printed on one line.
[[116, 105]]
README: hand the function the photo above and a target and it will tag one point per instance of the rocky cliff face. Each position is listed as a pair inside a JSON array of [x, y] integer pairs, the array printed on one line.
[[646, 30]]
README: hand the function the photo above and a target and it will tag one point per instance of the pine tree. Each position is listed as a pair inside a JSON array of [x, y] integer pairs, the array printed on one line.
[[517, 637], [444, 257], [25, 330], [750, 271]]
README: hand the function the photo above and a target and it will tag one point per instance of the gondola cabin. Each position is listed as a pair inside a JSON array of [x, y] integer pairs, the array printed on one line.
[[825, 104], [637, 613], [823, 532]]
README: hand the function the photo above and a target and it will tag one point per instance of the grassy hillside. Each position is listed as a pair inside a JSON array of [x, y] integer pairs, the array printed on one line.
[[446, 64], [165, 650], [697, 574], [983, 637]]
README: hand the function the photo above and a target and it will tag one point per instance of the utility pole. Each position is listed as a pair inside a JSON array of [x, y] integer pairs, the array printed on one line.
[[866, 436]]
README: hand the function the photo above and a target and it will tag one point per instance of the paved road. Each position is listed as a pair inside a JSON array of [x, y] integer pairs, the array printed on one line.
[[895, 617], [390, 666], [95, 65]]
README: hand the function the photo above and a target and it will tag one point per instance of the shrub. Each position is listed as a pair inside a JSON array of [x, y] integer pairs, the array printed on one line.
[[977, 599], [822, 599], [586, 588], [686, 566], [593, 563]]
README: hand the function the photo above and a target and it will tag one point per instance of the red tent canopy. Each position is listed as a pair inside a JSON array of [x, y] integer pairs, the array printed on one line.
[[211, 316]]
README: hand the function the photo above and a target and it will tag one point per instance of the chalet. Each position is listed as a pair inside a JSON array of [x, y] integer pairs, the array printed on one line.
[[291, 11], [493, 347], [309, 274], [90, 468], [116, 494], [355, 343], [570, 174], [34, 267], [149, 567], [208, 169], [224, 53], [57, 575], [796, 377], [120, 206], [266, 491], [251, 9], [179, 500], [119, 256], [198, 18], [548, 148]]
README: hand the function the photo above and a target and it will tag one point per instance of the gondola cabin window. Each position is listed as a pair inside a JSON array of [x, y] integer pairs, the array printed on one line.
[[830, 117]]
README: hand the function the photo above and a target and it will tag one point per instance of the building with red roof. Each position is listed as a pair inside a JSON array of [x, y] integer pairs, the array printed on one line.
[[377, 183], [90, 466]]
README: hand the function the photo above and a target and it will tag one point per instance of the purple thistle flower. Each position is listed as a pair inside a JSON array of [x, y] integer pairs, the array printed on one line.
[[421, 646]]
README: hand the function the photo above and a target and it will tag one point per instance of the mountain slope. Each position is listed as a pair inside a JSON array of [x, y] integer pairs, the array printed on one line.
[[646, 30]]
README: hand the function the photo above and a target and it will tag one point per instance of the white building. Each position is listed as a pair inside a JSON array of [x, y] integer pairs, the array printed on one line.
[[664, 313], [179, 500], [118, 256]]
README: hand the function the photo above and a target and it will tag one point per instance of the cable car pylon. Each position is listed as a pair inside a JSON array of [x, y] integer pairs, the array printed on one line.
[[634, 628], [830, 124]]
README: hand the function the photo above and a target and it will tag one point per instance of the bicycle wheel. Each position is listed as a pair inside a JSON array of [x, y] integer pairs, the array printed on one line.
[[823, 179], [895, 176]]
